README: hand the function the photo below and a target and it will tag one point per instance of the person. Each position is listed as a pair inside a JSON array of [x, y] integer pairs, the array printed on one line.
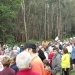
[[41, 53], [4, 47], [1, 53], [36, 62], [65, 62], [56, 62], [21, 48], [23, 62], [50, 56], [1, 66], [16, 48], [44, 50], [6, 52], [14, 53], [10, 51], [69, 47], [73, 56], [47, 69], [13, 64], [7, 70]]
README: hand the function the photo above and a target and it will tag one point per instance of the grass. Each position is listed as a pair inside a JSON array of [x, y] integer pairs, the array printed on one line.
[[72, 73]]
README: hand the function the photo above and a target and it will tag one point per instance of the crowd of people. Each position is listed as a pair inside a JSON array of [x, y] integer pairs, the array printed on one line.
[[46, 58]]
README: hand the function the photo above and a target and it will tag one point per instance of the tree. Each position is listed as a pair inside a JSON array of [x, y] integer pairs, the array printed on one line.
[[25, 27], [36, 19], [8, 11]]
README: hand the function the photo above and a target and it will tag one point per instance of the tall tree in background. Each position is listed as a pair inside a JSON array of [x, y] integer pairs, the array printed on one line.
[[24, 20], [8, 12], [25, 27]]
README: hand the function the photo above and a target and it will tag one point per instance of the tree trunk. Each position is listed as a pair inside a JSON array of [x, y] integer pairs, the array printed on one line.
[[52, 13], [45, 20], [60, 26], [25, 27]]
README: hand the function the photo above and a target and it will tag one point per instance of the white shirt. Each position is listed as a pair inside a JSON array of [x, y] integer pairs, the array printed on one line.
[[69, 48], [46, 55]]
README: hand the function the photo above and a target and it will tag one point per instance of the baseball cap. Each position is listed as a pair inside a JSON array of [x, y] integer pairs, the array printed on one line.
[[29, 45]]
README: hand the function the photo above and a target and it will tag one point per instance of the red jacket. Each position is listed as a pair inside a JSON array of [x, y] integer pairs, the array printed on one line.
[[27, 72], [50, 58]]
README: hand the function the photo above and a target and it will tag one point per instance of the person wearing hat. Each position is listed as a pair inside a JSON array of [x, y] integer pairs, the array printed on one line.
[[36, 63], [56, 62]]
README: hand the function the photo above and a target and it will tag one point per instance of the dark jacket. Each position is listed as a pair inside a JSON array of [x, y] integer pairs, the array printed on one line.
[[14, 67], [21, 49], [41, 55]]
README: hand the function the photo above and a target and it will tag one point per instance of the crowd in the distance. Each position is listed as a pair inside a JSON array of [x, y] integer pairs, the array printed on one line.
[[46, 58]]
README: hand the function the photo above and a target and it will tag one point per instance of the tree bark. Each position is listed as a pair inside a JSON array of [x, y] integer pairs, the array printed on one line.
[[45, 20], [25, 27]]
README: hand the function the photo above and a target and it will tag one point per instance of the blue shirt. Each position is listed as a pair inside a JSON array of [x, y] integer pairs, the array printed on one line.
[[73, 53]]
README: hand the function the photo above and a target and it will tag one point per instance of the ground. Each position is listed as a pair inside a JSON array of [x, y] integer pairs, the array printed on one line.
[[73, 73]]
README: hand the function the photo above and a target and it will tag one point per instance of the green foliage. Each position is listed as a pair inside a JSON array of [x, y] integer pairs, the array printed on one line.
[[33, 41], [72, 73], [10, 40], [8, 12], [12, 21]]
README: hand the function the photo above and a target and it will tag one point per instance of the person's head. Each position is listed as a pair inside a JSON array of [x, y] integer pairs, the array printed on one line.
[[10, 48], [14, 52], [65, 51], [5, 46], [50, 49], [55, 50], [15, 47], [6, 52], [23, 60], [6, 61], [73, 43], [38, 48], [57, 45], [45, 62], [43, 47], [12, 60], [30, 47], [22, 45]]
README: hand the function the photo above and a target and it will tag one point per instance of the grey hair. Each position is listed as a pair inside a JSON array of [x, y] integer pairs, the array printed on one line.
[[23, 60]]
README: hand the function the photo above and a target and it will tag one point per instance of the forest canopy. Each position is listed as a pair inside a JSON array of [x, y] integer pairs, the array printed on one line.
[[22, 20]]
